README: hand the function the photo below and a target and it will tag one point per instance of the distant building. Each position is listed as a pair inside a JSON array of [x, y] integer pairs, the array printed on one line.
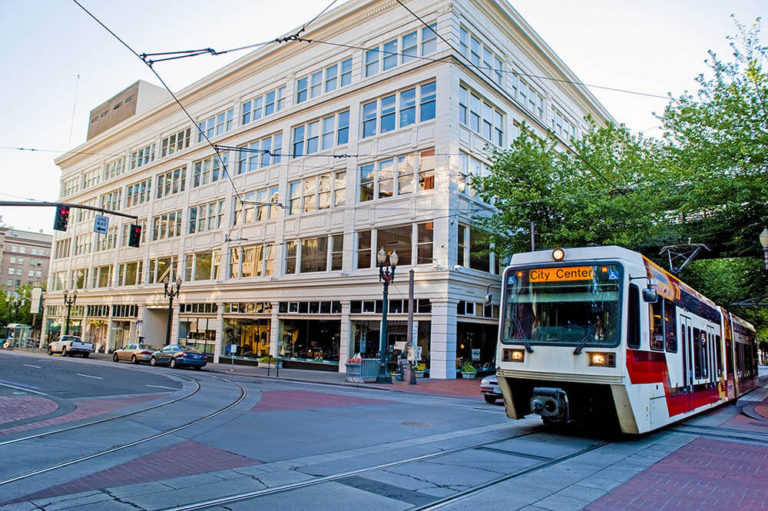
[[332, 152], [136, 99], [25, 258]]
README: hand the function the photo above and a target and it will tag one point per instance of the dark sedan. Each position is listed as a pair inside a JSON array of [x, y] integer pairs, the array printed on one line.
[[177, 355]]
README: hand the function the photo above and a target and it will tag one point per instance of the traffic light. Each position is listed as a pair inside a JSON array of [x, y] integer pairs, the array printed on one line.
[[62, 218], [134, 236]]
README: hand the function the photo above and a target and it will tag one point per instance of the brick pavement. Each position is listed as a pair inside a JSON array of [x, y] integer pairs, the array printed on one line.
[[85, 408], [16, 408], [280, 400], [183, 459]]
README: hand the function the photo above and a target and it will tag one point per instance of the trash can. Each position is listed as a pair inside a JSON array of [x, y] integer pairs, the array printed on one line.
[[353, 372], [370, 370]]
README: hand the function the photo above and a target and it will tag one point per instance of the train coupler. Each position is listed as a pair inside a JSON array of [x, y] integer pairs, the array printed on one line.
[[550, 403]]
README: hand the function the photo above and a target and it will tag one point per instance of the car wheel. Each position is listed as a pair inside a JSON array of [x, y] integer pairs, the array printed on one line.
[[173, 363], [50, 352], [133, 359], [85, 354], [197, 368], [115, 358], [490, 399], [63, 351], [152, 361]]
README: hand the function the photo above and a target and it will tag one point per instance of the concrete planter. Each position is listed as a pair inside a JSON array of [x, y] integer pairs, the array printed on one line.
[[468, 376]]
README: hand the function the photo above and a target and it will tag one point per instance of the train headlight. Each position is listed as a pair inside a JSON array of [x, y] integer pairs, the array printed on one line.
[[514, 355], [558, 254], [598, 359]]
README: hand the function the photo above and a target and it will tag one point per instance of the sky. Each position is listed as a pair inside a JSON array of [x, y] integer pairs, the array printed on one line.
[[58, 63]]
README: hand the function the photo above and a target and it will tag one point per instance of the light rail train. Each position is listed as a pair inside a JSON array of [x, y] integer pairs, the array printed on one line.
[[602, 335]]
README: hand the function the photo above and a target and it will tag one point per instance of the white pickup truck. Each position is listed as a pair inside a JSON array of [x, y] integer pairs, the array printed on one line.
[[69, 345]]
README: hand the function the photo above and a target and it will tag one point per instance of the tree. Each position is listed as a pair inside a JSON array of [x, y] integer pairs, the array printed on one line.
[[718, 142]]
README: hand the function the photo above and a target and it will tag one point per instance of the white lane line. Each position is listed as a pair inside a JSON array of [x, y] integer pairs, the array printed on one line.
[[23, 388], [161, 387], [89, 376], [30, 365]]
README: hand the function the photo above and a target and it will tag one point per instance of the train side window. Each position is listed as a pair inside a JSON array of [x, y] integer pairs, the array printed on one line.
[[633, 318], [670, 326], [698, 352], [657, 325]]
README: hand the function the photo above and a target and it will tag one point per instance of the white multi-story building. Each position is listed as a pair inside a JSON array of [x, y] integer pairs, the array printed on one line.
[[368, 137]]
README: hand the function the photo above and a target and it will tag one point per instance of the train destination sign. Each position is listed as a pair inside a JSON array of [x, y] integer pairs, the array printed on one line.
[[562, 274]]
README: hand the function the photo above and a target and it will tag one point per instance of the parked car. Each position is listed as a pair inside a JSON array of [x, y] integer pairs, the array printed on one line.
[[134, 352], [69, 345], [178, 355], [489, 386]]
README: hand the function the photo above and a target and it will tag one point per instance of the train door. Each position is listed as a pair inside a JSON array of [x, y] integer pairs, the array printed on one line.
[[687, 344], [711, 348]]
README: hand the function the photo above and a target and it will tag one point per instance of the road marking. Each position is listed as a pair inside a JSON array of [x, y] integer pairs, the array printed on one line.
[[24, 388], [89, 376], [161, 387], [30, 365]]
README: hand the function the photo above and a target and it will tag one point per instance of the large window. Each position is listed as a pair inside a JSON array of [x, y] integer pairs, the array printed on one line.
[[83, 244], [399, 110], [257, 206], [401, 50], [114, 168], [111, 200], [321, 134], [560, 125], [412, 242], [175, 142], [171, 182], [262, 105], [166, 226], [480, 116], [106, 241], [138, 193], [102, 276], [206, 217], [161, 268], [527, 96], [317, 192], [251, 261], [310, 255], [260, 153], [209, 170], [471, 170], [397, 176], [143, 156], [474, 250], [203, 266], [129, 274], [324, 80], [216, 124], [480, 54]]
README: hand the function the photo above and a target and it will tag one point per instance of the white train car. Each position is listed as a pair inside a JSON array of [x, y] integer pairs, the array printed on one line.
[[603, 335]]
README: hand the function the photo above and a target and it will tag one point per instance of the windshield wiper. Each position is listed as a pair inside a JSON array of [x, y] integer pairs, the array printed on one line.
[[583, 343], [527, 345]]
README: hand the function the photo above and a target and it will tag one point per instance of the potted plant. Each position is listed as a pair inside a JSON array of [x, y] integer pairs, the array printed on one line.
[[354, 368], [419, 370], [270, 362], [468, 371]]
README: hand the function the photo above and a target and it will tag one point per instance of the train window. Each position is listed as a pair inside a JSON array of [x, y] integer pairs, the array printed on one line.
[[670, 326], [700, 354], [633, 318], [657, 325]]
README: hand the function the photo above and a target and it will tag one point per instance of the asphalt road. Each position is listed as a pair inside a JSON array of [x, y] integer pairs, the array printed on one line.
[[91, 434]]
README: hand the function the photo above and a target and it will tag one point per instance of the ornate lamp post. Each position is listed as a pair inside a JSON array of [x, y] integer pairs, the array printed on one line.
[[387, 264], [69, 300], [764, 243], [171, 291]]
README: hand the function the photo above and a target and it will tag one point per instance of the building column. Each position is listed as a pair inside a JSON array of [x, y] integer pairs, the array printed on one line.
[[443, 339], [109, 337], [43, 325], [219, 332], [274, 330], [344, 341]]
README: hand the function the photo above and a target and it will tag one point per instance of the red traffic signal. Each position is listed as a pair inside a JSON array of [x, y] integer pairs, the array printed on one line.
[[134, 236], [62, 218]]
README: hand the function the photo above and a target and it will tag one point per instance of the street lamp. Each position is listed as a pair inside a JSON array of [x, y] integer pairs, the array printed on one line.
[[69, 300], [171, 291], [387, 264], [764, 243]]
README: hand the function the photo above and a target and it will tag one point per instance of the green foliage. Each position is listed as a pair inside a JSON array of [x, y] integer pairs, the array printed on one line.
[[468, 368]]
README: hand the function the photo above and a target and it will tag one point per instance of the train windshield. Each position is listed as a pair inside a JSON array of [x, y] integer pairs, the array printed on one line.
[[563, 305]]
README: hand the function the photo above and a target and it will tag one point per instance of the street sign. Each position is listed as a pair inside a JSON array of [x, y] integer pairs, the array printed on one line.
[[101, 224], [34, 304]]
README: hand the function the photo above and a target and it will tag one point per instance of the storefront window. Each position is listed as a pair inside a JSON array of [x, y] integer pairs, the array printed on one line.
[[310, 340], [251, 336], [200, 333]]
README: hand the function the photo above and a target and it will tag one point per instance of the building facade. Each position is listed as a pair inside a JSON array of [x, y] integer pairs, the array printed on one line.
[[367, 138], [25, 258]]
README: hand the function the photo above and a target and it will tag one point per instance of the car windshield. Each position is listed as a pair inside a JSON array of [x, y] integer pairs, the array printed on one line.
[[70, 338], [189, 349], [568, 305], [144, 347]]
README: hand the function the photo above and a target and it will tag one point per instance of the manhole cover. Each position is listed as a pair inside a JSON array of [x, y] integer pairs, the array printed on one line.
[[418, 424]]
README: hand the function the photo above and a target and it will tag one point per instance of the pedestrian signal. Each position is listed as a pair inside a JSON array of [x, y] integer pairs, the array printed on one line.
[[62, 218]]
